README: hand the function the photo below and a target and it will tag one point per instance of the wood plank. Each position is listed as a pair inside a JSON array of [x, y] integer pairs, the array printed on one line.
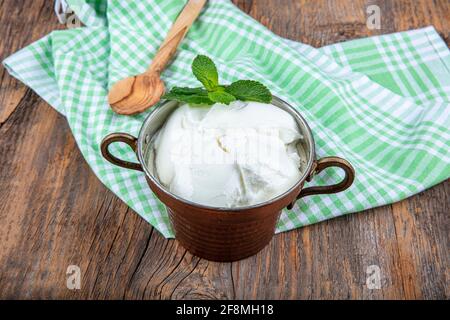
[[422, 229], [56, 213], [19, 20]]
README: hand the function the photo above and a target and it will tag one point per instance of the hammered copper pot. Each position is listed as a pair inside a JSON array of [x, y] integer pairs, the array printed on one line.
[[224, 234]]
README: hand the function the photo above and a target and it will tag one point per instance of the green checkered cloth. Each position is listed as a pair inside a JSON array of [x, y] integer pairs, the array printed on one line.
[[383, 103]]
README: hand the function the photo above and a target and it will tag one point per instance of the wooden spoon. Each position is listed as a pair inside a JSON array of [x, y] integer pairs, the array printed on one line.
[[137, 93]]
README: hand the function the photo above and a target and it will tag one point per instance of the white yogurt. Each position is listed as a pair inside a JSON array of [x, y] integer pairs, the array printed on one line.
[[230, 156]]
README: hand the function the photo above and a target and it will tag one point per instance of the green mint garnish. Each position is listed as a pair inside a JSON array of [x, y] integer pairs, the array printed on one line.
[[212, 92], [188, 95], [249, 90], [221, 96], [205, 71]]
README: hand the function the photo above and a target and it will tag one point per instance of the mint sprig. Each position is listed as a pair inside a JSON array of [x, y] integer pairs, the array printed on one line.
[[212, 92]]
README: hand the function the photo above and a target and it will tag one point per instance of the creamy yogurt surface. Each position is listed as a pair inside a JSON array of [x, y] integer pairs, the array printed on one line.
[[230, 156]]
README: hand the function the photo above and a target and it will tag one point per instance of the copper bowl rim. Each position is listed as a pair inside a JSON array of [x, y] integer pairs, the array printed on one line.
[[276, 102]]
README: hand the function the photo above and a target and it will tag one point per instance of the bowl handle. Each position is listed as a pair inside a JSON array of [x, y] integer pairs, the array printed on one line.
[[322, 164], [120, 137]]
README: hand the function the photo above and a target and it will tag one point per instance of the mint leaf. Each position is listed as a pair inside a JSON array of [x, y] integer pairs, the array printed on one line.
[[189, 95], [249, 90], [205, 71], [186, 90], [195, 100], [221, 96]]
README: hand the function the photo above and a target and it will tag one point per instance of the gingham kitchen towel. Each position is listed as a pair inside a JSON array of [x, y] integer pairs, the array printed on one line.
[[383, 103]]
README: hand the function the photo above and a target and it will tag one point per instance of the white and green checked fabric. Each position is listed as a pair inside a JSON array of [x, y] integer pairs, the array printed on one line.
[[383, 103]]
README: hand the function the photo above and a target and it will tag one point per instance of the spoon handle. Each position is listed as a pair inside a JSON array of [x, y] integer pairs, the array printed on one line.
[[176, 34]]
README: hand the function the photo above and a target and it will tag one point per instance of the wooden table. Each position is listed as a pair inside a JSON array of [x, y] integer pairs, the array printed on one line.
[[54, 212]]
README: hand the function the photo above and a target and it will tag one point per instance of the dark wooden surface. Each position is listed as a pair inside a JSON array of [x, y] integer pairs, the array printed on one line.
[[54, 212]]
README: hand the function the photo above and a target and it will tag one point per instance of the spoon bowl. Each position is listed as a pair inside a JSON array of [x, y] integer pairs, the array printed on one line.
[[136, 93]]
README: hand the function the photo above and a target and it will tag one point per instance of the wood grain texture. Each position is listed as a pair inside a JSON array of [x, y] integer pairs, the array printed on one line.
[[54, 212]]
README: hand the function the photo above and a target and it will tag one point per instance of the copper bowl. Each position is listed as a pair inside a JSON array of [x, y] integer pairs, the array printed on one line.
[[226, 234]]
